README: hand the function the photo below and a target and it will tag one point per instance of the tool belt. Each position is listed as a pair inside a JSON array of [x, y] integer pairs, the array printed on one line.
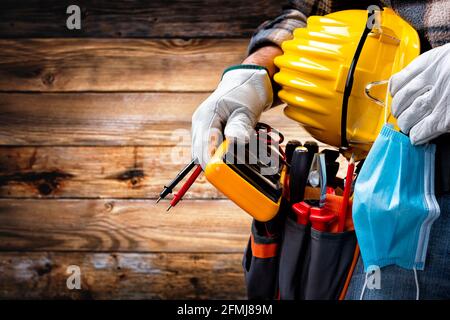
[[298, 257], [302, 243]]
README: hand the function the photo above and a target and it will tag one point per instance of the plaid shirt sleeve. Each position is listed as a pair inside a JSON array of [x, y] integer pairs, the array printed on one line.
[[294, 15], [429, 18]]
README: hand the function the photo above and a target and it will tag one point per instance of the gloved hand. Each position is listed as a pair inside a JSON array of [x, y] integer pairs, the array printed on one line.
[[421, 96], [244, 92]]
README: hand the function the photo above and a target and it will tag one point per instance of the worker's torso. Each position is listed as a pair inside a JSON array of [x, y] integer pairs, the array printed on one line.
[[431, 20]]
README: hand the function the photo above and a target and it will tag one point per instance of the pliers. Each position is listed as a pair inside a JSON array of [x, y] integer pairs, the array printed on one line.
[[314, 210]]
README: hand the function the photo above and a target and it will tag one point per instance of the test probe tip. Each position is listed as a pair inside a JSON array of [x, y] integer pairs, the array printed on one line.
[[159, 199], [169, 208]]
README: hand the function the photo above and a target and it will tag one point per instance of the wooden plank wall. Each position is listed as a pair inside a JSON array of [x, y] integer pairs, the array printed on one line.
[[90, 125]]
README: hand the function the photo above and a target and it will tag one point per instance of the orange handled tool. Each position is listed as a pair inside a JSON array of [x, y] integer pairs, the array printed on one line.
[[177, 197]]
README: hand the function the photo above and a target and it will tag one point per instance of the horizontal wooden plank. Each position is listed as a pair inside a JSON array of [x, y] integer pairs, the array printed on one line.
[[156, 18], [94, 172], [96, 119], [122, 276], [110, 119], [116, 64], [122, 225]]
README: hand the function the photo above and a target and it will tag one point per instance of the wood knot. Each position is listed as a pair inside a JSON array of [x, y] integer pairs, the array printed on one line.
[[46, 182], [194, 281], [109, 206], [133, 176], [48, 79], [44, 269], [45, 188]]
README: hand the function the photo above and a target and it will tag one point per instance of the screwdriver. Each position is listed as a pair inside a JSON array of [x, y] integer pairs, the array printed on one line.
[[290, 147], [177, 197], [313, 148], [168, 189], [289, 152], [299, 174]]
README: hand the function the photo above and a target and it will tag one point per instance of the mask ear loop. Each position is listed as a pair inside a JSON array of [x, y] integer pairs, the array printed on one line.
[[416, 280], [361, 297]]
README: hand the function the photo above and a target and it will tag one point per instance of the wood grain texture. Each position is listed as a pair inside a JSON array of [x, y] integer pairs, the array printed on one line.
[[156, 18], [94, 172], [159, 118], [92, 116], [98, 172], [122, 276], [116, 64], [122, 225]]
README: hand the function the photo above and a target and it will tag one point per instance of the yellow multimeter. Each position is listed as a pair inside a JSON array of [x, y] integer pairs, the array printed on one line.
[[254, 186]]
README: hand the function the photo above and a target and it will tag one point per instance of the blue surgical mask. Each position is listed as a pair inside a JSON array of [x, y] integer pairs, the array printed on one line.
[[394, 203]]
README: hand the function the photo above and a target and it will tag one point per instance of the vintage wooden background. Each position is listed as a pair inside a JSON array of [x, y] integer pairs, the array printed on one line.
[[87, 122]]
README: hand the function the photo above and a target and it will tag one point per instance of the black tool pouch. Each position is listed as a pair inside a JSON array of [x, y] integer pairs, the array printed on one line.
[[261, 265], [295, 244], [330, 259]]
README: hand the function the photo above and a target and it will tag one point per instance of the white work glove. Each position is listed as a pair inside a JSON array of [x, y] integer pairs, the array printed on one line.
[[244, 92], [421, 96]]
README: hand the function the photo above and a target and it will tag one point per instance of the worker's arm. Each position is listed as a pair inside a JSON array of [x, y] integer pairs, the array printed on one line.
[[245, 90], [264, 56]]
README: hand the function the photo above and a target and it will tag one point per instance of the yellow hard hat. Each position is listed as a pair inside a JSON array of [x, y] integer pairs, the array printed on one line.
[[331, 71]]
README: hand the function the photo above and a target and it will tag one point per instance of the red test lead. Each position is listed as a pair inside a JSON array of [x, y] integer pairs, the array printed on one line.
[[177, 197]]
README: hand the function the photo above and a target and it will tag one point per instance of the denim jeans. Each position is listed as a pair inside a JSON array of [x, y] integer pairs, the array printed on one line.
[[399, 284]]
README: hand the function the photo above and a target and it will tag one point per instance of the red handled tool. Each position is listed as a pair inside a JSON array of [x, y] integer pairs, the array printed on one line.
[[320, 217], [314, 211], [302, 210], [346, 196]]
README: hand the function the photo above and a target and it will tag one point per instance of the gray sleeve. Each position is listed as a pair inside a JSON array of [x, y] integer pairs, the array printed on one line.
[[294, 15]]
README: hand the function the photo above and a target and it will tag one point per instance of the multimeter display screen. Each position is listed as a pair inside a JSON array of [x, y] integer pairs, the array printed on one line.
[[252, 164]]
